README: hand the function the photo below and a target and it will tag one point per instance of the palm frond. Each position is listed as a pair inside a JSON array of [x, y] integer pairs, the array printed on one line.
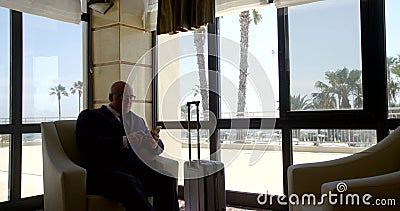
[[257, 17]]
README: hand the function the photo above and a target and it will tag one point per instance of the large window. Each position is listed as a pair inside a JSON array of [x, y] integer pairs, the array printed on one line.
[[32, 165], [41, 79], [259, 156], [249, 81], [325, 55], [52, 86], [52, 69], [4, 101], [183, 74], [311, 89], [250, 89], [4, 166], [393, 57], [4, 66], [183, 77]]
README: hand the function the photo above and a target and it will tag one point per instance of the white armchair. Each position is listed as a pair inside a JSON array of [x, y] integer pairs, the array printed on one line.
[[374, 171], [65, 180]]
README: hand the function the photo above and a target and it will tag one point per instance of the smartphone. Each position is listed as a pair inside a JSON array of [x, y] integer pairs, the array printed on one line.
[[157, 129]]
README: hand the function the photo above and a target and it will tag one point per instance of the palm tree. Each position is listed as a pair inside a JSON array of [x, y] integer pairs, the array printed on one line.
[[59, 90], [244, 20], [393, 88], [342, 84], [77, 87], [324, 99], [354, 81], [199, 38], [358, 97], [393, 70], [393, 64], [298, 102], [196, 91]]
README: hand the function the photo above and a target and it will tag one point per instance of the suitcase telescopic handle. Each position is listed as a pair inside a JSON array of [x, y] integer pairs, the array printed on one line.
[[197, 103]]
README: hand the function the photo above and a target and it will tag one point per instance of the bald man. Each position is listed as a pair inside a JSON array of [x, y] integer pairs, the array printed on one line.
[[114, 169]]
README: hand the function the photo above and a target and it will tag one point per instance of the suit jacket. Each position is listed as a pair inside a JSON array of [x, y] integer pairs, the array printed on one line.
[[99, 136]]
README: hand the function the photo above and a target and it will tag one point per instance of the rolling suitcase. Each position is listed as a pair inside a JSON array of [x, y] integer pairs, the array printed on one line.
[[204, 185]]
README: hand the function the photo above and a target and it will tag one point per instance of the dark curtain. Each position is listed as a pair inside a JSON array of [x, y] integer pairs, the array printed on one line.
[[183, 15]]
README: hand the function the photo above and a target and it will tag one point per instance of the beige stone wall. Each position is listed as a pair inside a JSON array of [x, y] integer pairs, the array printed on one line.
[[118, 44]]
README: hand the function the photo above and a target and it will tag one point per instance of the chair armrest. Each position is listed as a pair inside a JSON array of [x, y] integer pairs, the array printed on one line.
[[308, 178], [64, 186], [64, 181], [373, 190], [379, 160], [166, 165]]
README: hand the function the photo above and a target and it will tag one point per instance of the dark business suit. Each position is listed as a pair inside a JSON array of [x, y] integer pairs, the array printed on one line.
[[117, 172]]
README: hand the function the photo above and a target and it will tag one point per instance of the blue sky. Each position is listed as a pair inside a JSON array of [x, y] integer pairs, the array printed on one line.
[[4, 63], [323, 36], [393, 27], [323, 40]]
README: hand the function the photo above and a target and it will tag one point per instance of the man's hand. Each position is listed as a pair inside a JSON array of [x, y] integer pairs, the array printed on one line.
[[150, 141], [136, 137], [156, 133]]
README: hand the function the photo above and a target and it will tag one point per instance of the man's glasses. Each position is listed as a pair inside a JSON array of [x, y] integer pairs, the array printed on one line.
[[126, 97]]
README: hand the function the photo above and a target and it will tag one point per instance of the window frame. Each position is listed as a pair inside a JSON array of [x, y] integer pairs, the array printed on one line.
[[16, 128], [373, 115]]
